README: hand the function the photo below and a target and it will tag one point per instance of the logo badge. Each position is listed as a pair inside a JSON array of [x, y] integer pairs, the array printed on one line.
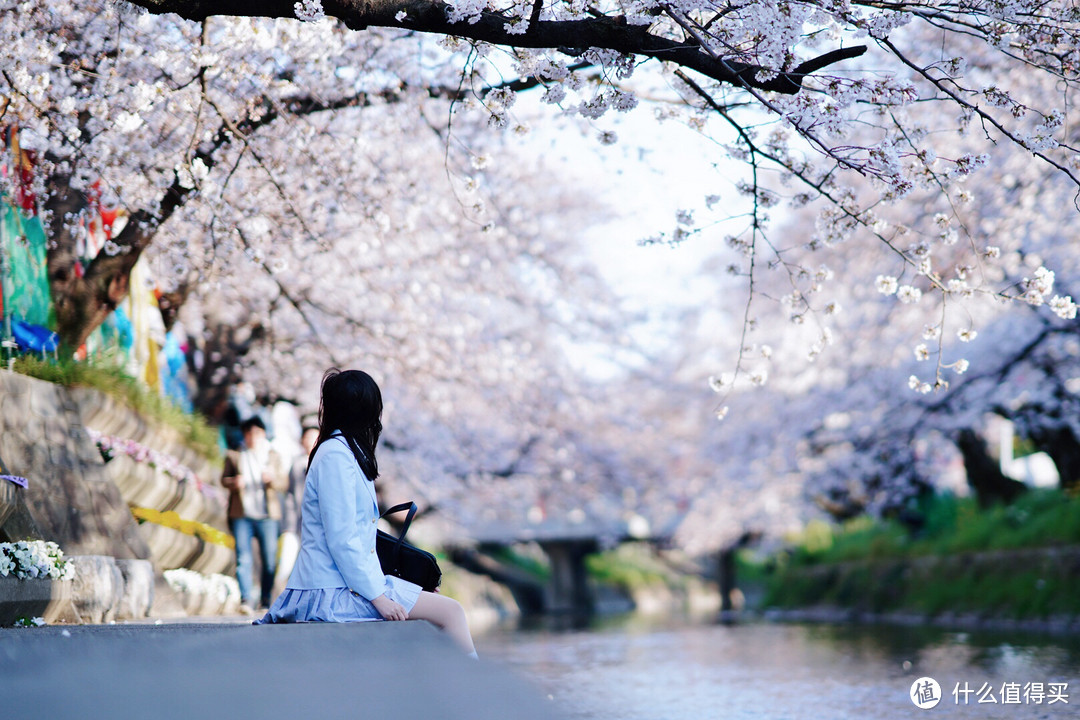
[[925, 693]]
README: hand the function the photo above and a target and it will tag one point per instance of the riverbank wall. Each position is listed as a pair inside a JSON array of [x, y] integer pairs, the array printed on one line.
[[1025, 589], [84, 464]]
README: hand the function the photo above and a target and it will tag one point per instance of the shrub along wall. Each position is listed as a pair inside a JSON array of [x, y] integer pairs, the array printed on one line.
[[1014, 584]]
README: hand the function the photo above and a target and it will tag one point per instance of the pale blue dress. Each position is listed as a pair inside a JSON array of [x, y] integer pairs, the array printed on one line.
[[337, 572]]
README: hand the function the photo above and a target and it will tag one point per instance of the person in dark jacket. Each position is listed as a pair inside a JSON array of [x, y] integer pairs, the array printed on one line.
[[254, 475]]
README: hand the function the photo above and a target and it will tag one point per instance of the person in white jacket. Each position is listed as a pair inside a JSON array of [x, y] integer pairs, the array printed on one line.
[[337, 576]]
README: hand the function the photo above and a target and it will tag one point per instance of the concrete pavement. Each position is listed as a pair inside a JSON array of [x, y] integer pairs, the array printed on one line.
[[237, 671]]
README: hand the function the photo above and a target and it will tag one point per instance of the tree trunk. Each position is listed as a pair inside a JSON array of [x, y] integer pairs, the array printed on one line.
[[726, 578], [83, 299], [984, 473], [223, 347], [726, 575]]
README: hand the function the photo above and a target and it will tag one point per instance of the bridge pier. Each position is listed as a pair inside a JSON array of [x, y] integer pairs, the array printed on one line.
[[569, 590], [725, 566]]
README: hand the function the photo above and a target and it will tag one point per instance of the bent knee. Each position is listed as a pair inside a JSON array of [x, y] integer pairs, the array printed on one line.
[[450, 612]]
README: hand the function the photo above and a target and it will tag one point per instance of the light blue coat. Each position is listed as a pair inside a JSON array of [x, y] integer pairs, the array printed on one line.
[[337, 536]]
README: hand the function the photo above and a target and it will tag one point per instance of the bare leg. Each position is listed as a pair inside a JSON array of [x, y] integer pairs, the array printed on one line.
[[447, 614]]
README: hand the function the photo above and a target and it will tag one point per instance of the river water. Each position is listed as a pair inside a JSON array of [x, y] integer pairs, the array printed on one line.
[[630, 670]]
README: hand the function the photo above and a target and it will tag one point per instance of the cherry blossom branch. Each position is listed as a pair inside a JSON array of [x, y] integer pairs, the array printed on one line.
[[998, 375], [290, 298], [432, 16], [817, 186], [755, 89], [983, 115]]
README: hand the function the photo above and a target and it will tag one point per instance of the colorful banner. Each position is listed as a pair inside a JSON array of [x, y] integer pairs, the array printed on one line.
[[24, 276]]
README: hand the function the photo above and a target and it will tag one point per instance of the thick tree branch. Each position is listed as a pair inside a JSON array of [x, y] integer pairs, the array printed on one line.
[[610, 33]]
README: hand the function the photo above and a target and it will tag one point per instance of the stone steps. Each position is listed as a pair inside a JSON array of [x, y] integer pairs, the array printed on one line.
[[143, 485], [172, 549]]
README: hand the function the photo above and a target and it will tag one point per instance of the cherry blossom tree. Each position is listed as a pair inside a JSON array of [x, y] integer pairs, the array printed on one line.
[[781, 85], [245, 140], [902, 377], [852, 436], [323, 221]]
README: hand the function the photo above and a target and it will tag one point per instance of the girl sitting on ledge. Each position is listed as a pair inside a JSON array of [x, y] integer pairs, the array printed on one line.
[[337, 576]]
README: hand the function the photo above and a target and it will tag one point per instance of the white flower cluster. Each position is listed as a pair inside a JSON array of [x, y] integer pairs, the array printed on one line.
[[1040, 285], [1063, 307], [722, 382], [219, 587], [881, 24], [918, 385], [34, 559], [309, 10], [966, 334], [1041, 138], [967, 164], [1037, 288], [886, 284], [467, 10], [909, 294]]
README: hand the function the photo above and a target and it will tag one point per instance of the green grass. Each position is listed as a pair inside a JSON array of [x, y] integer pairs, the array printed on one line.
[[110, 379], [948, 565], [1038, 518], [630, 566], [527, 563]]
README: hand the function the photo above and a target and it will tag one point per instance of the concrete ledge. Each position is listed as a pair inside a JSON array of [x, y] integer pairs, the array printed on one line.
[[103, 590], [97, 589], [138, 593], [286, 672], [30, 598]]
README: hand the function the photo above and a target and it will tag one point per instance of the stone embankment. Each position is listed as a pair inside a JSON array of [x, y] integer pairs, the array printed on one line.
[[1028, 589], [69, 498], [54, 436]]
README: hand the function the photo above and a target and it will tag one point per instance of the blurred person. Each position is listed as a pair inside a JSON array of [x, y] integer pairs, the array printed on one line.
[[291, 505], [337, 577], [239, 405], [254, 475]]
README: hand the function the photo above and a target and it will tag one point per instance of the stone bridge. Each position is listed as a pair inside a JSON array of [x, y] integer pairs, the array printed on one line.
[[566, 545]]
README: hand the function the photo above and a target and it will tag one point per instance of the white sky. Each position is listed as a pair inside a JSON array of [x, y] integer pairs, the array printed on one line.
[[653, 171]]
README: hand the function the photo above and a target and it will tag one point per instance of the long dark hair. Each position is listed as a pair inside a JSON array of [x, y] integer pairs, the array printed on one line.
[[351, 404]]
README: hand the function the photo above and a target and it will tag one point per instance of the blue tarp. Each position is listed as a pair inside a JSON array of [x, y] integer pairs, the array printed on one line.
[[34, 338]]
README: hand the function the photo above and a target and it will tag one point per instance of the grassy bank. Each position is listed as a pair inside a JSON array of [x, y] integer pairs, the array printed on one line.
[[633, 567], [111, 379], [1020, 561]]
